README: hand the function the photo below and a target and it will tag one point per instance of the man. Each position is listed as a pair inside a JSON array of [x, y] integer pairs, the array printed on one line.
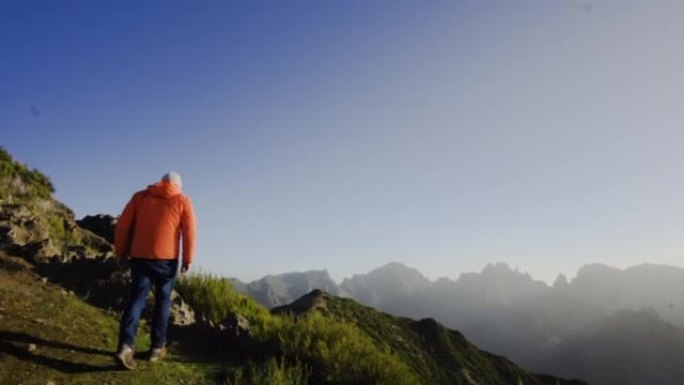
[[147, 238]]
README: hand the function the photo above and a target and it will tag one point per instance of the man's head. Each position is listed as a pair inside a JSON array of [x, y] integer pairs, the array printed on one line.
[[174, 178]]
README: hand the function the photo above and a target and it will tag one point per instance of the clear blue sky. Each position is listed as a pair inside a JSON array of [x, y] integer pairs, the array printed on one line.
[[342, 135]]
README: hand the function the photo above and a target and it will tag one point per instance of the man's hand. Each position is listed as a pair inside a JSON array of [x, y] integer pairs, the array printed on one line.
[[184, 268]]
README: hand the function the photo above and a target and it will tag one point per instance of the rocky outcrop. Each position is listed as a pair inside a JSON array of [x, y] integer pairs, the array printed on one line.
[[45, 231], [234, 326], [97, 280], [102, 225], [78, 255], [24, 234], [101, 282], [181, 313]]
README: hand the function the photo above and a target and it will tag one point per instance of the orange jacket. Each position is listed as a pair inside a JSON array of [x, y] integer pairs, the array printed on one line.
[[152, 222]]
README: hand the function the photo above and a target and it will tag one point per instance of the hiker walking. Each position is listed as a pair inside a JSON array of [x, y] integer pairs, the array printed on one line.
[[147, 239]]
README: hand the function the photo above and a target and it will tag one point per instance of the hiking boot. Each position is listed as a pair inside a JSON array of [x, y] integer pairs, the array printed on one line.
[[125, 358], [157, 354]]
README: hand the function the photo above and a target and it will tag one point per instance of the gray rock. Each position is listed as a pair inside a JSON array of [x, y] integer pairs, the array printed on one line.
[[101, 225], [234, 325], [181, 313]]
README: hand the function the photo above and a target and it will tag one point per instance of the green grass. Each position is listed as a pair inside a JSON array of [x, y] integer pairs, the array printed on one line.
[[32, 189], [345, 352], [272, 372], [74, 342], [34, 184], [340, 352], [437, 354], [213, 298], [47, 334], [347, 343], [59, 233]]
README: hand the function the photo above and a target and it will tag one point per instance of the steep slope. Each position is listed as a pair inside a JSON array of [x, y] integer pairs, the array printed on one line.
[[44, 231], [49, 335], [437, 354], [36, 226]]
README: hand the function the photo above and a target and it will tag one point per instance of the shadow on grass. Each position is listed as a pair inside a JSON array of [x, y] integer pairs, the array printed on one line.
[[201, 343], [9, 341]]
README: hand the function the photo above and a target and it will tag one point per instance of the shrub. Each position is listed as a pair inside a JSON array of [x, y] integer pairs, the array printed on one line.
[[59, 233]]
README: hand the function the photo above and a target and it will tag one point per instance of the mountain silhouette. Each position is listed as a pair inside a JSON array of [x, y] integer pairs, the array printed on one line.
[[512, 314], [282, 289]]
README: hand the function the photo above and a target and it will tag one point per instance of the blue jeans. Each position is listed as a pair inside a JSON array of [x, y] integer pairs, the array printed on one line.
[[145, 273]]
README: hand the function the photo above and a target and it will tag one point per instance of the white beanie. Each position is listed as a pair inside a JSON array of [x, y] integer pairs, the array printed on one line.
[[174, 178]]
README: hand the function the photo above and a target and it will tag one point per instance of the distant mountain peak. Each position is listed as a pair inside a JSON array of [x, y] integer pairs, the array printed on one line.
[[502, 268], [654, 268], [497, 266], [316, 299], [596, 269], [398, 269], [561, 281], [389, 283], [281, 289]]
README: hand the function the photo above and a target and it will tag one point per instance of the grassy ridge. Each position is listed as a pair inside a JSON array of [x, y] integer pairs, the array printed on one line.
[[32, 190], [344, 342], [340, 352], [437, 354]]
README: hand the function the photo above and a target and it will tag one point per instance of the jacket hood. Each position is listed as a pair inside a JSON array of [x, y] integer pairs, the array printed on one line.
[[164, 189]]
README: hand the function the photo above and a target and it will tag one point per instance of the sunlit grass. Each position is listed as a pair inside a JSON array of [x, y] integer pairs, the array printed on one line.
[[272, 372], [342, 351]]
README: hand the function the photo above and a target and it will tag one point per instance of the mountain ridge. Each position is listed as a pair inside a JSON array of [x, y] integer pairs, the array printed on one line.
[[450, 357], [512, 314]]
